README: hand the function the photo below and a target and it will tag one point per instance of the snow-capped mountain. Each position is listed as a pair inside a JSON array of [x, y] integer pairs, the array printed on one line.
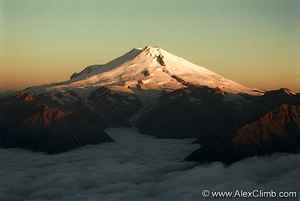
[[150, 68], [161, 95]]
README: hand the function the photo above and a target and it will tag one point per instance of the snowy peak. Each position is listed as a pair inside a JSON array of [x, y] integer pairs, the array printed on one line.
[[288, 92], [153, 52], [149, 68], [95, 69], [136, 55], [281, 92]]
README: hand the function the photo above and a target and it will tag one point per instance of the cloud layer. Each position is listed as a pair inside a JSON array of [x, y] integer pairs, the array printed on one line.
[[136, 168]]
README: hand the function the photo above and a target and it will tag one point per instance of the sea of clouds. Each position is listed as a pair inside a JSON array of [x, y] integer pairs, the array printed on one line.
[[137, 168]]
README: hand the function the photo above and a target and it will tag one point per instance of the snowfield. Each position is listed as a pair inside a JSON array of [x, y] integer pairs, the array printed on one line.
[[136, 168], [150, 67]]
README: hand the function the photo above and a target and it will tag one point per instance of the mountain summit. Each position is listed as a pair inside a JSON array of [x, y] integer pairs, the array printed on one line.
[[149, 68], [160, 94]]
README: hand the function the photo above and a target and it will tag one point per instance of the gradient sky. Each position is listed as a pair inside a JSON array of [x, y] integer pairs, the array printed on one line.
[[254, 42]]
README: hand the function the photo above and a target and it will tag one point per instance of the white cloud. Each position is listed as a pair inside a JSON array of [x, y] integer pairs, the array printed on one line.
[[135, 168]]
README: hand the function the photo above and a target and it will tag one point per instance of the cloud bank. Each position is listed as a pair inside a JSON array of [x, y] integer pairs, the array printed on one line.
[[136, 168]]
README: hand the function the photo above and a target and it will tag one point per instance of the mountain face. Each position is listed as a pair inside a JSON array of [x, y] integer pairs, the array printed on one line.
[[160, 94], [35, 123], [229, 127], [149, 68], [267, 126]]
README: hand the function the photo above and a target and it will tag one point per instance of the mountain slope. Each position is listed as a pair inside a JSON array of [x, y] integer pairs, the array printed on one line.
[[38, 124], [160, 94], [148, 68], [268, 124]]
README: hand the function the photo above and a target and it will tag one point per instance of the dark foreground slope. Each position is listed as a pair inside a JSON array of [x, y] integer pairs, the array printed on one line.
[[229, 127], [41, 124]]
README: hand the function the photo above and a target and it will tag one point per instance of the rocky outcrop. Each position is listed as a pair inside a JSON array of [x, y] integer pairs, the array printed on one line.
[[276, 131], [28, 122], [229, 127], [113, 106], [192, 112], [276, 124], [262, 133]]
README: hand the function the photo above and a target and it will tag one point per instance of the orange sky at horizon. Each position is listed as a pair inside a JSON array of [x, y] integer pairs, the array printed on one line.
[[22, 77], [255, 43]]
